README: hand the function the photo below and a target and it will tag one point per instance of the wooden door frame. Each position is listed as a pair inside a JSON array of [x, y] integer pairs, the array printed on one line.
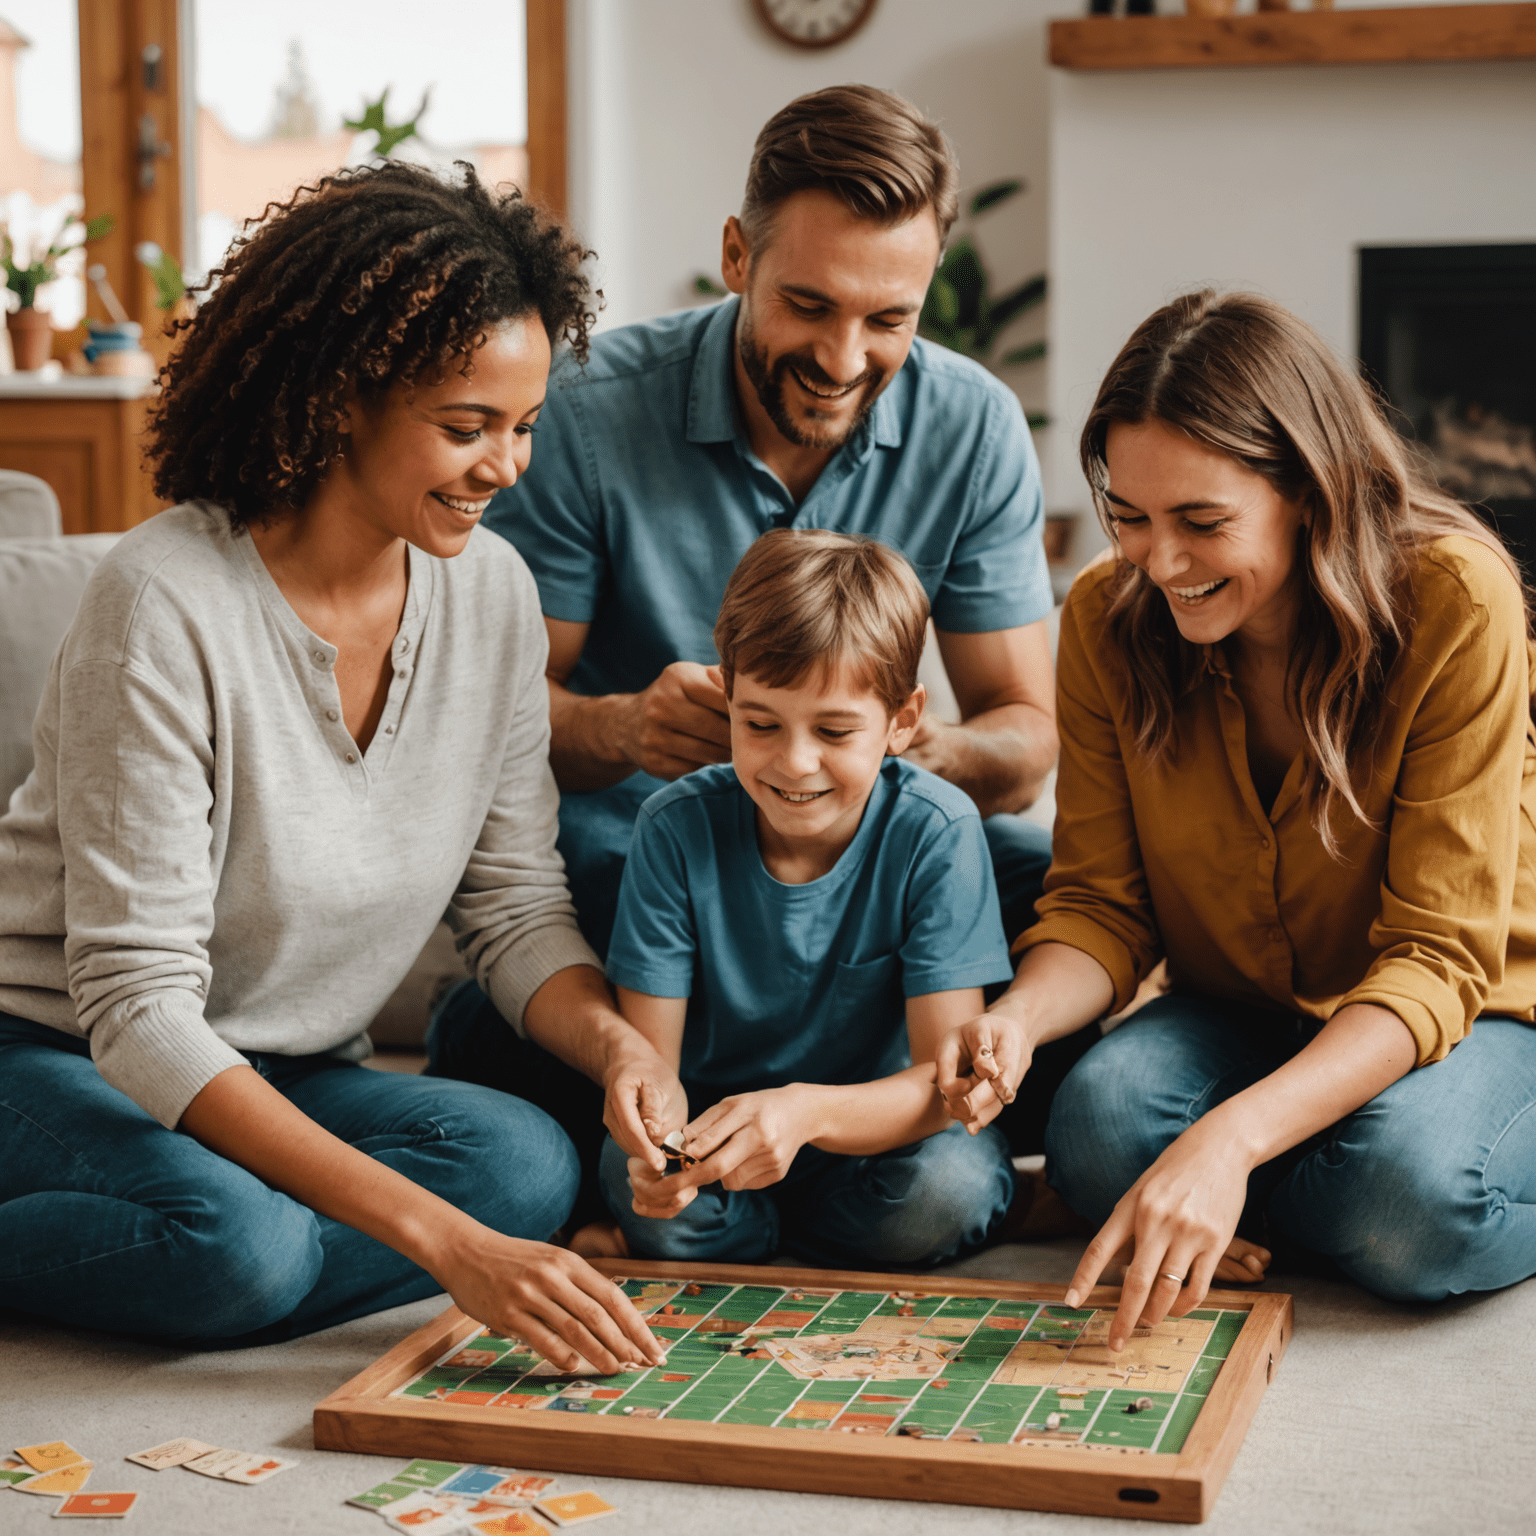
[[115, 100]]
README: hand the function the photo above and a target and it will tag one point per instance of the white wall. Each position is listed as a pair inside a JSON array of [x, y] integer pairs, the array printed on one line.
[[1263, 179], [667, 97]]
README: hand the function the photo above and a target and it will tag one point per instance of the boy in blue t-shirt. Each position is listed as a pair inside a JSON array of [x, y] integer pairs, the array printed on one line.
[[798, 930]]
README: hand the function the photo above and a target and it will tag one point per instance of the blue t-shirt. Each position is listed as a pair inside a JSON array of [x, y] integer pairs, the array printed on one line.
[[804, 983]]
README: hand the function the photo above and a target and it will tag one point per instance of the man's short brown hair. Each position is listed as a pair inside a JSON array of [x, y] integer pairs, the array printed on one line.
[[805, 600], [875, 152]]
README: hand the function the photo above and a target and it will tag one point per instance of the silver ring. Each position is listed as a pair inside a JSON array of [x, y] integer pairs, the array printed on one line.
[[1179, 1278]]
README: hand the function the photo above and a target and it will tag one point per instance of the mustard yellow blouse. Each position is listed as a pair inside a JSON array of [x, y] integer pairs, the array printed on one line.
[[1432, 914]]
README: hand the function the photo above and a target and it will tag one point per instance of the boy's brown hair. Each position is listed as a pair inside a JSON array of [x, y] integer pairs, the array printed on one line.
[[808, 599], [875, 152]]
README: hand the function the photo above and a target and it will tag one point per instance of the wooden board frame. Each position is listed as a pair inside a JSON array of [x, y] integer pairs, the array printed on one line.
[[361, 1416]]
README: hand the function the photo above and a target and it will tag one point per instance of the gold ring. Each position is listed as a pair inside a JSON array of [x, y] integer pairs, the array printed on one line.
[[1179, 1278]]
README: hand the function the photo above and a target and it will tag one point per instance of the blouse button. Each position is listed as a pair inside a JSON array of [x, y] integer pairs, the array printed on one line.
[[351, 757], [389, 730], [319, 658], [402, 673], [331, 714], [405, 645]]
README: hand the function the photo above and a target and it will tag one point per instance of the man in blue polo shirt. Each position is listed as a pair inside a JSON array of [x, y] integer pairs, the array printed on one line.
[[804, 401]]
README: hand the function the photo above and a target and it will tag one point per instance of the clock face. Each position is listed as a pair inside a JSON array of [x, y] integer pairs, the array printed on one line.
[[814, 23]]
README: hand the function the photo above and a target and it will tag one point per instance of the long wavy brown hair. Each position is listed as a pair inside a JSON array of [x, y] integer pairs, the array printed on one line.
[[1245, 377], [372, 277]]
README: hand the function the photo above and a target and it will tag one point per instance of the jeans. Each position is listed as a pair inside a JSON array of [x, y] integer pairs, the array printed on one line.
[[917, 1205], [1428, 1190], [113, 1221]]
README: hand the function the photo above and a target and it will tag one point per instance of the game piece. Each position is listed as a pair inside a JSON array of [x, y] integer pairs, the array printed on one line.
[[821, 1369], [173, 1453], [257, 1469], [13, 1470], [95, 1506], [672, 1149], [70, 1479], [1140, 1405], [573, 1508], [49, 1457]]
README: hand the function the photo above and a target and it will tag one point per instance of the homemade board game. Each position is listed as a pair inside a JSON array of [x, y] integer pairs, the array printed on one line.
[[918, 1387]]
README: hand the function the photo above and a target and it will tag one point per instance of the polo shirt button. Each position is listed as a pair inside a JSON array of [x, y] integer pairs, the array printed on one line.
[[331, 714], [351, 757], [1264, 841]]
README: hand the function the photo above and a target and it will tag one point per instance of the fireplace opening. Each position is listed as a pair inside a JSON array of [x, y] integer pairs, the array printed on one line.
[[1448, 336]]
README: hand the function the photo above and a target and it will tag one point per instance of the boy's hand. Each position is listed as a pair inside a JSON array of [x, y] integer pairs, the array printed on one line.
[[749, 1140], [660, 1195], [644, 1104], [979, 1066]]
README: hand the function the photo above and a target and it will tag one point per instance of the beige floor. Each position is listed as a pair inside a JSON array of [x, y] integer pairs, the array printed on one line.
[[1409, 1421]]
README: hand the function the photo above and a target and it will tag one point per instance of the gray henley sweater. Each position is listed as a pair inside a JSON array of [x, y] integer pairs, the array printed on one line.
[[202, 862]]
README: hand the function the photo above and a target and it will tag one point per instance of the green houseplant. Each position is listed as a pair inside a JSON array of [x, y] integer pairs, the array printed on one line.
[[962, 313], [30, 327]]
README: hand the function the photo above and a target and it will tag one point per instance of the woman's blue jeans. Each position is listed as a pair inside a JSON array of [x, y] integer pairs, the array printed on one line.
[[114, 1222], [1427, 1191], [913, 1206]]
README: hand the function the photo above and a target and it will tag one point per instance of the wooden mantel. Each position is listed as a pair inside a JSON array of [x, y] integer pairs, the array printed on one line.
[[1410, 35]]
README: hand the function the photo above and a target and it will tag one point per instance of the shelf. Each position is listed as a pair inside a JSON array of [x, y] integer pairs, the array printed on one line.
[[1420, 34]]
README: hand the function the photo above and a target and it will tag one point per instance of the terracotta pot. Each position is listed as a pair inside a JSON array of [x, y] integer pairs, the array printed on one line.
[[31, 338], [1209, 7]]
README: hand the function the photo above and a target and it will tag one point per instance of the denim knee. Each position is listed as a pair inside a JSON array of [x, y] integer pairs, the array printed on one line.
[[505, 1162], [1104, 1132], [937, 1198], [239, 1267]]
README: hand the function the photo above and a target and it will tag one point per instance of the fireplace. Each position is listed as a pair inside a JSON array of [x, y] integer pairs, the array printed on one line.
[[1448, 335]]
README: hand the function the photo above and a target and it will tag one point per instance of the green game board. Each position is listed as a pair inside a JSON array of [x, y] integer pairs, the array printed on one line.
[[871, 1362]]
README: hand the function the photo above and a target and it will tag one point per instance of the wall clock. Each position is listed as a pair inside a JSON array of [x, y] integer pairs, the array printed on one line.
[[813, 23]]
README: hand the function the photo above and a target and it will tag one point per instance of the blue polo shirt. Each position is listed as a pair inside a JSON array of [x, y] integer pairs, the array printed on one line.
[[804, 983], [644, 493]]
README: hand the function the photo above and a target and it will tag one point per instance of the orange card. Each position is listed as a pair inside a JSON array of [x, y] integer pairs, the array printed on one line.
[[573, 1508], [70, 1479], [517, 1522], [95, 1506], [50, 1457]]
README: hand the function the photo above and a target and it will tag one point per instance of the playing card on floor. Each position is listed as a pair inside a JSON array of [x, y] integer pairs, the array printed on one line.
[[172, 1453], [95, 1506], [573, 1508]]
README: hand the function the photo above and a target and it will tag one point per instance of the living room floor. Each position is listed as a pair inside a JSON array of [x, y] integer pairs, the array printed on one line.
[[1382, 1418]]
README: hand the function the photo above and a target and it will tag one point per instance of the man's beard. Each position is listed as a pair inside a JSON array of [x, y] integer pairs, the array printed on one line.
[[769, 384]]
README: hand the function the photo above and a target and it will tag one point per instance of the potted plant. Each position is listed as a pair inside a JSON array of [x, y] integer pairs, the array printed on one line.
[[31, 328]]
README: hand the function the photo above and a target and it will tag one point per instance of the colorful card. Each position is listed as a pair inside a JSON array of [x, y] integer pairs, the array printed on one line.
[[515, 1522], [476, 1481], [573, 1508], [518, 1488], [425, 1510], [216, 1463], [258, 1468], [95, 1506], [49, 1457], [173, 1453], [70, 1479], [14, 1470], [427, 1474], [382, 1494]]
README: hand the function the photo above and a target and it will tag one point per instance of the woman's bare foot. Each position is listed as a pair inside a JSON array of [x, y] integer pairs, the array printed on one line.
[[600, 1240], [1243, 1262]]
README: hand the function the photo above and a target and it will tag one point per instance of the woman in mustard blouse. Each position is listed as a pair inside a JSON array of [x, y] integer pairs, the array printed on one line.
[[1298, 764]]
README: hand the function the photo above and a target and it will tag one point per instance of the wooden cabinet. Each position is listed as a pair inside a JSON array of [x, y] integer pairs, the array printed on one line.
[[83, 437]]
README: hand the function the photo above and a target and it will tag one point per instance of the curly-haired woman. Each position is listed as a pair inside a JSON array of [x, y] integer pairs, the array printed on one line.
[[1298, 763], [297, 717]]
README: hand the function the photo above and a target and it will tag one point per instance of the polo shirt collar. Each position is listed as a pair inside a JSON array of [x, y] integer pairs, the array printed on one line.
[[712, 388]]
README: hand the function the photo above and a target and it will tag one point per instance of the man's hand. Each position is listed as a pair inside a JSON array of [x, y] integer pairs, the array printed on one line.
[[644, 1103], [979, 1066], [679, 723]]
